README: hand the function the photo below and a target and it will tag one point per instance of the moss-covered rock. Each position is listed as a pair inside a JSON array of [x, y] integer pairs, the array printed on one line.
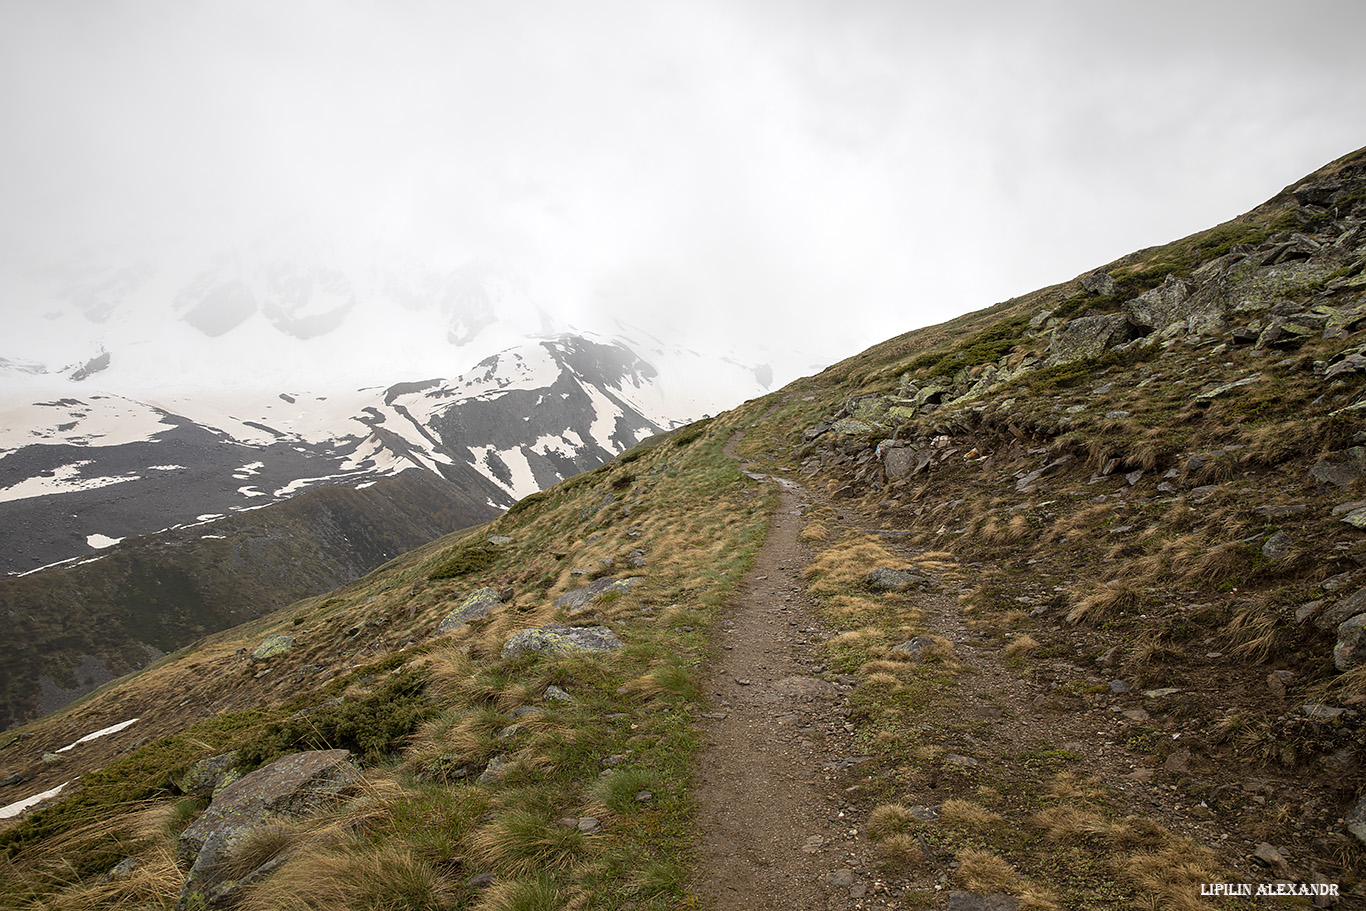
[[271, 646], [554, 639], [479, 604]]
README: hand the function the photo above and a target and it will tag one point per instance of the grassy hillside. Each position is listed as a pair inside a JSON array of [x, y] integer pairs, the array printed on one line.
[[428, 712], [1131, 504]]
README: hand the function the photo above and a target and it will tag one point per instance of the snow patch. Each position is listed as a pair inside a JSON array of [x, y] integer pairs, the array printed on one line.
[[100, 542], [65, 479], [250, 492], [112, 729], [19, 806]]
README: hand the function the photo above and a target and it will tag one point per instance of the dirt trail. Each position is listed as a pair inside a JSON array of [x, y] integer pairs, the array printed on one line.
[[776, 835], [783, 794]]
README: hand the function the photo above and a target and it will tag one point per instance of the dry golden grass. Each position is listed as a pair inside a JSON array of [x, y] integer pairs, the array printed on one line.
[[1102, 602], [1075, 525], [985, 873], [979, 598], [900, 853], [846, 565], [1255, 632], [1231, 561], [845, 609], [452, 671], [345, 877], [999, 532], [1021, 645], [890, 819], [957, 813], [261, 846], [1066, 823], [1352, 684], [858, 638], [813, 533], [884, 668], [1172, 875], [530, 893]]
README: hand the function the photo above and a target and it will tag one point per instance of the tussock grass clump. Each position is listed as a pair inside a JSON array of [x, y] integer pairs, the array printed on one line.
[[852, 609], [984, 872], [847, 564], [1229, 562], [1102, 603], [667, 679], [1256, 632], [813, 533], [529, 893], [470, 559], [957, 813], [620, 790], [899, 853], [1073, 526], [1021, 646], [354, 875], [1172, 875], [261, 846], [1000, 532], [1068, 823], [890, 819], [519, 842]]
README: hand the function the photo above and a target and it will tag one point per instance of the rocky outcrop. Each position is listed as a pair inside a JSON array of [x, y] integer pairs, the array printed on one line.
[[1087, 336], [894, 580], [554, 639], [479, 604], [271, 646], [1163, 306], [207, 776], [581, 597], [1350, 650], [291, 787]]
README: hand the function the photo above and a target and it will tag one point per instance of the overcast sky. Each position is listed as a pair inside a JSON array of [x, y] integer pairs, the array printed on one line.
[[828, 173]]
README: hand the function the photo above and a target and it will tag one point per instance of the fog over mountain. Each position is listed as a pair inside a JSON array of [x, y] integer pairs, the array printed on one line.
[[716, 174]]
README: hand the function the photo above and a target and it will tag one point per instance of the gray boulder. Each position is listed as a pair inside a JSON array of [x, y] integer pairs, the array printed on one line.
[[479, 604], [903, 463], [579, 597], [206, 776], [1278, 546], [852, 427], [971, 901], [1356, 821], [1342, 469], [554, 639], [293, 786], [1098, 282], [1330, 619], [1350, 650], [914, 647], [1164, 306], [894, 580], [271, 646], [1087, 336]]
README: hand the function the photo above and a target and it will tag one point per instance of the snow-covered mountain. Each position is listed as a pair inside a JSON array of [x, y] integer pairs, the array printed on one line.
[[82, 469], [136, 398]]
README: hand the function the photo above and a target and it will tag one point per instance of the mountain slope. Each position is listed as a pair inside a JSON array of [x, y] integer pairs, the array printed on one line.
[[1119, 659], [73, 629]]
